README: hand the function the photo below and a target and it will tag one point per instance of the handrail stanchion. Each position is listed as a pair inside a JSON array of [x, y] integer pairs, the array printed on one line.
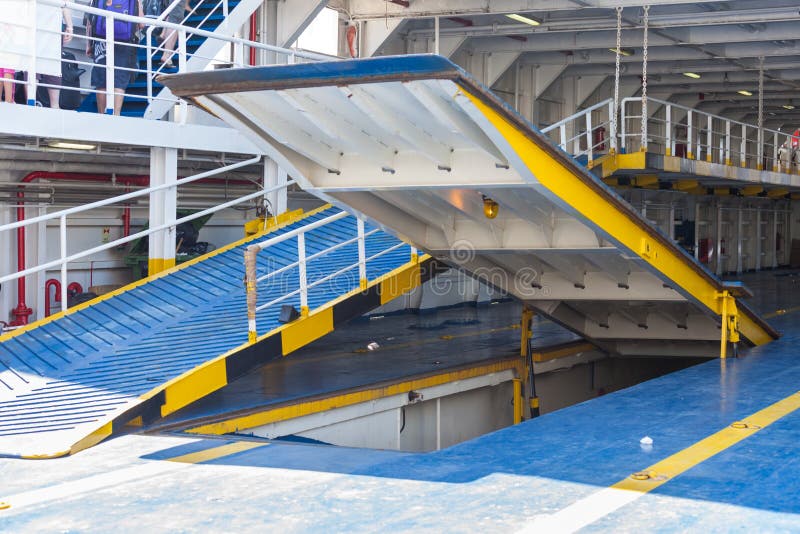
[[589, 143], [362, 255], [623, 129], [689, 136], [743, 151], [183, 106], [613, 127], [301, 258], [668, 120], [110, 64], [563, 134], [31, 84], [414, 254], [62, 224], [251, 289], [775, 151], [727, 142], [709, 139]]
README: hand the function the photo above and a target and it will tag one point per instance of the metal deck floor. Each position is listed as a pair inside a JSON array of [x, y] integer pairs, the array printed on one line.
[[560, 466]]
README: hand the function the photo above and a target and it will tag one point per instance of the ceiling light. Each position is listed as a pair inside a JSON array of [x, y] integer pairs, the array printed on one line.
[[787, 106], [745, 92], [691, 75], [71, 146], [623, 51], [523, 19], [490, 207]]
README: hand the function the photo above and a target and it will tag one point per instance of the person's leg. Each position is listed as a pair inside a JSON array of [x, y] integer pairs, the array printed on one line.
[[54, 95], [101, 100], [169, 46], [119, 97], [8, 88]]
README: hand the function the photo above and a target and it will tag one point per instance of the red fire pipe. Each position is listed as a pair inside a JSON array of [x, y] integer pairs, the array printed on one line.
[[253, 32], [47, 285], [22, 311]]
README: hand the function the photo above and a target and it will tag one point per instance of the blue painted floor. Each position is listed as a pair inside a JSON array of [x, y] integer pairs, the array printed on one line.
[[504, 481]]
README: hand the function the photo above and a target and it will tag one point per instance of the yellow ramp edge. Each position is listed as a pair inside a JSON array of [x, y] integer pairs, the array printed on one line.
[[594, 201]]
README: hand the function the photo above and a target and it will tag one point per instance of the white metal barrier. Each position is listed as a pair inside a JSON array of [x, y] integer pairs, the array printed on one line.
[[185, 32], [673, 129], [252, 280], [588, 132], [66, 258]]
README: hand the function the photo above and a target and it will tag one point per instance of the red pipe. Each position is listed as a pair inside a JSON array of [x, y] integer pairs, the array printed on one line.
[[74, 288], [22, 312], [47, 285], [253, 31]]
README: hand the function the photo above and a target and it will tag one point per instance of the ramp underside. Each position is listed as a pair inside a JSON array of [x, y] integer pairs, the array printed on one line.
[[419, 147], [74, 379]]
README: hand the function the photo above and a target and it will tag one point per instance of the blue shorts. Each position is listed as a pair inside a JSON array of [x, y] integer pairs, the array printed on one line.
[[124, 57]]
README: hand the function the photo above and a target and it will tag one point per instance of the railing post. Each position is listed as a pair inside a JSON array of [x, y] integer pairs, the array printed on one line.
[[562, 130], [727, 142], [149, 45], [362, 255], [31, 84], [589, 140], [668, 150], [775, 152], [110, 64], [689, 136], [414, 254], [63, 245], [183, 105], [613, 127], [251, 290], [743, 151], [623, 128], [709, 139], [301, 262]]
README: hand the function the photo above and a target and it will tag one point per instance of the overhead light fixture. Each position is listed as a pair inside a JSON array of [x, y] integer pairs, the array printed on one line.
[[622, 51], [70, 145], [745, 92], [691, 75], [490, 207], [787, 106], [525, 20]]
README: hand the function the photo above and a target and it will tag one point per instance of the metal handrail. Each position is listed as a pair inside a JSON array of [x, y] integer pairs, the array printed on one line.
[[586, 115], [252, 251]]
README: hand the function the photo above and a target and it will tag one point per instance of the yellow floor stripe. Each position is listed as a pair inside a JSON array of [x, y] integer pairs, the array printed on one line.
[[217, 452], [606, 501]]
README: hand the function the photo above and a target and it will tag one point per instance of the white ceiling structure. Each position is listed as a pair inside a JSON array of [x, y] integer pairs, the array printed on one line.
[[566, 60]]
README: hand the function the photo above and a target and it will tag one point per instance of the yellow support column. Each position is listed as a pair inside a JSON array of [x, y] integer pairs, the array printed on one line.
[[517, 400]]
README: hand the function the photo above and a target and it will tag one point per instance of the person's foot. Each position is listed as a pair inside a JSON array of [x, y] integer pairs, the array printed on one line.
[[167, 64]]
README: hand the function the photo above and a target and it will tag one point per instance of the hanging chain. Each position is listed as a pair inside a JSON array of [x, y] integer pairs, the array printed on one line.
[[760, 150], [616, 78], [644, 78]]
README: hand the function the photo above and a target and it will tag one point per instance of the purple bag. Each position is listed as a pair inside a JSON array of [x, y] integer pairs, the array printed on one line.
[[123, 30]]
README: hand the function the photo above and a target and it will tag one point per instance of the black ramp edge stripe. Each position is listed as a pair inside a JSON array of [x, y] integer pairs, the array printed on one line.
[[242, 362], [149, 411], [356, 305]]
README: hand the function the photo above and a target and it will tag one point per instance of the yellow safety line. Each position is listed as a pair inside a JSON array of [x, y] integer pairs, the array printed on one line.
[[217, 452], [300, 409], [667, 469], [137, 283]]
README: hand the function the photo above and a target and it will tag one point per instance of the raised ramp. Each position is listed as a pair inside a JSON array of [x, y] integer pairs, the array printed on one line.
[[153, 347], [418, 146]]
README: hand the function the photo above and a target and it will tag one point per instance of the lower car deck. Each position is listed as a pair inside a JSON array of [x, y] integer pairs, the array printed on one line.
[[723, 457]]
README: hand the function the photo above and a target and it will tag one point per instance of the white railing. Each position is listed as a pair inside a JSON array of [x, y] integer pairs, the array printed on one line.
[[588, 132], [66, 257], [148, 72], [252, 280], [673, 129]]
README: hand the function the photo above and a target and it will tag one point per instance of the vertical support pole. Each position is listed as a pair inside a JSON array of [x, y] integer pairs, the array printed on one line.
[[743, 150], [668, 125], [710, 139], [63, 242], [739, 240], [774, 238], [723, 338], [41, 255], [562, 130], [110, 64], [623, 128], [273, 177], [759, 244], [438, 423], [718, 269], [436, 35], [727, 142], [251, 290], [362, 255], [689, 136], [31, 84], [775, 152], [517, 382], [613, 122], [696, 229], [589, 140], [163, 207], [528, 385], [301, 258]]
